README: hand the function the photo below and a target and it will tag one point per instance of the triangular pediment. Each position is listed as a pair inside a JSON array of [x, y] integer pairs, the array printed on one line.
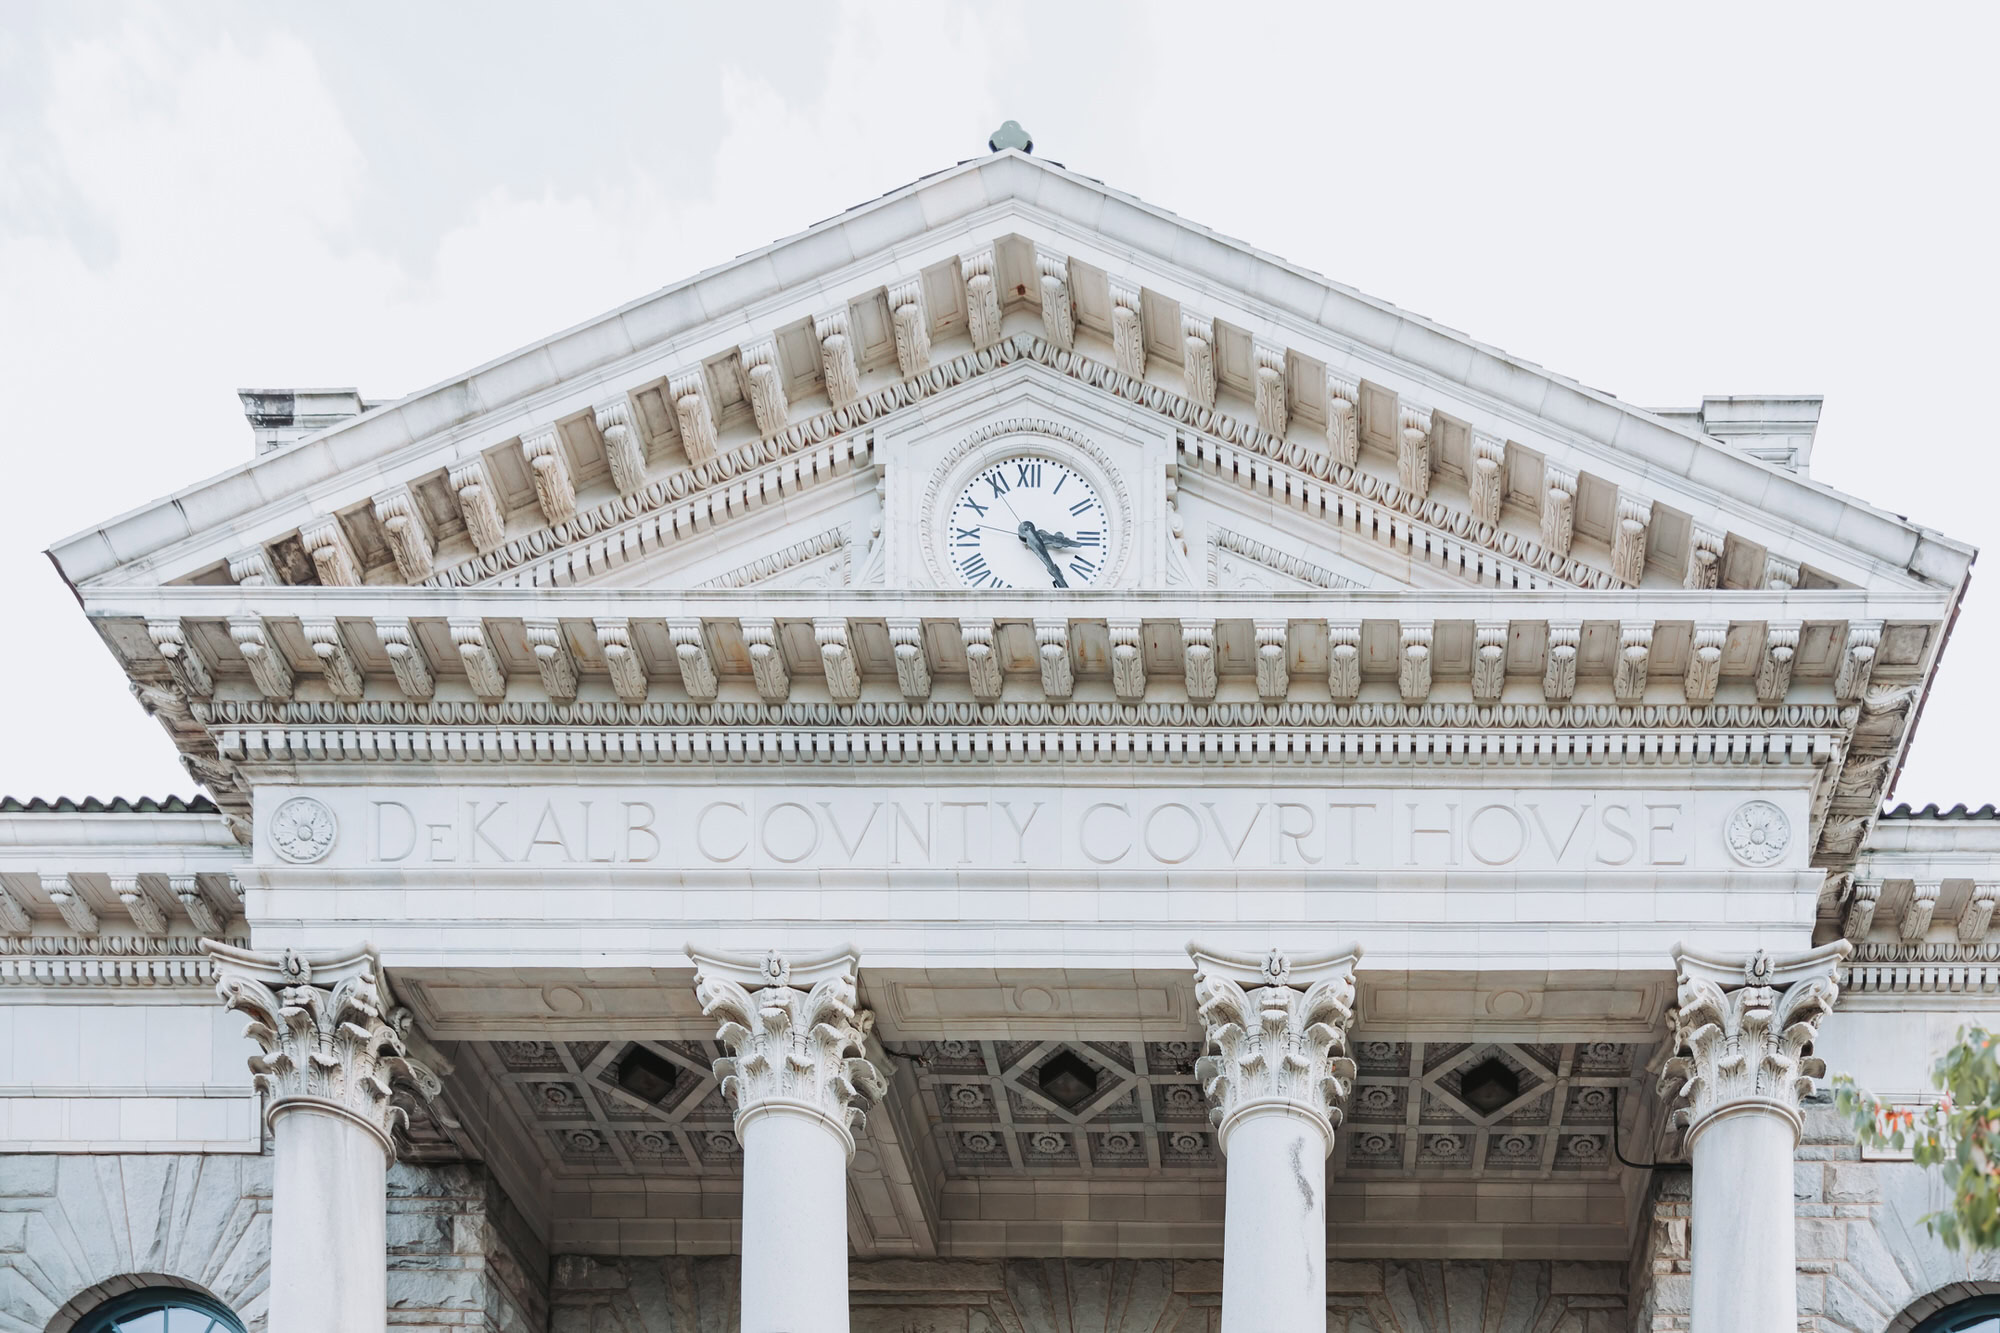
[[765, 378]]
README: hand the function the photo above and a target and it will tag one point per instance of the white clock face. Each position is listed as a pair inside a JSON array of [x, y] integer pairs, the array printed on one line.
[[1028, 522]]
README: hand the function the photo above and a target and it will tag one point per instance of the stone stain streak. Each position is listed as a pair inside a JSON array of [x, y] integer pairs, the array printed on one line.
[[1299, 1173]]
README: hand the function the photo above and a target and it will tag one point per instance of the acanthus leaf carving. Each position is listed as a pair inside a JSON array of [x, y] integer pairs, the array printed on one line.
[[765, 381], [1704, 565], [1743, 1031], [836, 655], [1413, 662], [333, 558], [1635, 647], [1917, 912], [913, 667], [1628, 539], [75, 911], [1558, 508], [409, 540], [1863, 897], [982, 662], [694, 413], [1268, 364], [1704, 671], [982, 295], [1271, 1042], [1198, 358], [1058, 306], [624, 444], [553, 660], [484, 671], [479, 504], [14, 918], [798, 1048], [548, 465], [147, 918], [252, 569], [912, 324], [1413, 453], [1486, 476], [1052, 650], [1559, 670], [1274, 668], [1857, 660], [1977, 916], [1343, 671], [836, 355], [1343, 419], [414, 676], [1198, 657], [767, 658], [327, 1041], [691, 651], [1128, 329], [187, 888], [190, 672], [268, 666], [336, 663], [1774, 669], [1489, 660], [1128, 662], [621, 658]]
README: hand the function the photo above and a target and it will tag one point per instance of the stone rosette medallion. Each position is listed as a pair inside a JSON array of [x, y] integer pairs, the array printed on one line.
[[1758, 833], [303, 830]]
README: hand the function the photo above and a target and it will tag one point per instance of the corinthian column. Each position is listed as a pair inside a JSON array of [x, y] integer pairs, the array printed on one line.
[[799, 1079], [1275, 1073], [1743, 1031], [329, 1053]]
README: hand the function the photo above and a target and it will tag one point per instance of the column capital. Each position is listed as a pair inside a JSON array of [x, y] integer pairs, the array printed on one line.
[[1743, 1030], [798, 1039], [1277, 1034], [328, 1043]]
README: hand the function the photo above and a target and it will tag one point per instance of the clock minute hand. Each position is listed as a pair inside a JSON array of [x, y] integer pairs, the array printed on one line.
[[1031, 538]]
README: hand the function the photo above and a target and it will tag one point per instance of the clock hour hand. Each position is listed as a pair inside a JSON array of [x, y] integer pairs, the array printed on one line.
[[1060, 540], [1031, 537]]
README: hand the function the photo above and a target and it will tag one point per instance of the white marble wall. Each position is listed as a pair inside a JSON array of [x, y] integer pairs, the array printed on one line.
[[166, 1076]]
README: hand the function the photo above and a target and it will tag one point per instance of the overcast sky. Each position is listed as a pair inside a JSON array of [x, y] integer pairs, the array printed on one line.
[[1659, 201]]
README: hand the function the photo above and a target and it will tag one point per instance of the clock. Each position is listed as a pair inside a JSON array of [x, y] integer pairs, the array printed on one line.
[[1028, 521]]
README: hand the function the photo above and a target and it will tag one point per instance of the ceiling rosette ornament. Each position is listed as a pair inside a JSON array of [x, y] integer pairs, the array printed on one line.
[[327, 1041]]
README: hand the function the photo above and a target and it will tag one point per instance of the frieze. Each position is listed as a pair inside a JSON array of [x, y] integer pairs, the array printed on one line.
[[1205, 827]]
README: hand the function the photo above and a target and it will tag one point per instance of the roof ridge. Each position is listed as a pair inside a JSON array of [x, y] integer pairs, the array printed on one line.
[[116, 805], [1931, 811]]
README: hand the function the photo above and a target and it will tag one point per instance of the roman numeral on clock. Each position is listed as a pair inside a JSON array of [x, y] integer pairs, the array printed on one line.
[[1027, 474], [1082, 568], [1082, 507], [973, 569]]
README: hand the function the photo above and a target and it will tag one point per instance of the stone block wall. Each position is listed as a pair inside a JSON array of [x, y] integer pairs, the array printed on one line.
[[77, 1229], [1661, 1274], [593, 1295]]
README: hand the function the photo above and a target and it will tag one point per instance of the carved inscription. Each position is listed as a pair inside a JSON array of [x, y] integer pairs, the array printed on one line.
[[1470, 830]]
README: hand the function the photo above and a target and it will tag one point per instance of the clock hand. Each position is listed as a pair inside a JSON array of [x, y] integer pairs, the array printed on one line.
[[1059, 539], [1032, 539]]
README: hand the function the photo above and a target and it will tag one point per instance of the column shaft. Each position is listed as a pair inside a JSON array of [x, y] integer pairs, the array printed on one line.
[[1743, 1235], [794, 1225], [1274, 1223], [329, 1250]]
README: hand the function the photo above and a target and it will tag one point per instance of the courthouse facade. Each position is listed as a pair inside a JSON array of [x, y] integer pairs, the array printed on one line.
[[1005, 764]]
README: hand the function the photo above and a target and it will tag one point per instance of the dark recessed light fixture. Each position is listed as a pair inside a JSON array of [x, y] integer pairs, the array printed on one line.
[[1489, 1085], [1067, 1080], [646, 1075]]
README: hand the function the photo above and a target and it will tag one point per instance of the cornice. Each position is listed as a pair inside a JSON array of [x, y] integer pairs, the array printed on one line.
[[107, 962]]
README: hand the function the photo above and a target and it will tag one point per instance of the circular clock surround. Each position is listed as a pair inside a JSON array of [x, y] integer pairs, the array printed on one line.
[[1024, 441]]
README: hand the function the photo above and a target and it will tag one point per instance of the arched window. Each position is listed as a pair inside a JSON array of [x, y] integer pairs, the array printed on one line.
[[1979, 1315], [161, 1310]]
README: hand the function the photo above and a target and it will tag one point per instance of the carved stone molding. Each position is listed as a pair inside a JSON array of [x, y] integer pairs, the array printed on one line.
[[1277, 1035], [329, 1044], [1743, 1031], [797, 1037]]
